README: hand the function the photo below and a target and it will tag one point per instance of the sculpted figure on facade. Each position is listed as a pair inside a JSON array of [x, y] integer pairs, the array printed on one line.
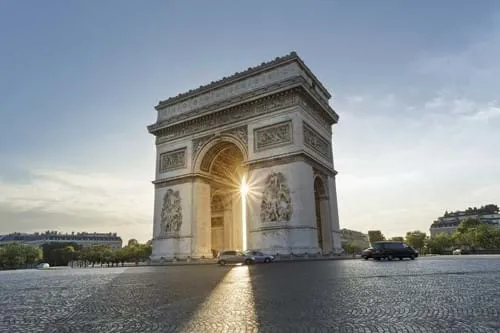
[[171, 213], [276, 205]]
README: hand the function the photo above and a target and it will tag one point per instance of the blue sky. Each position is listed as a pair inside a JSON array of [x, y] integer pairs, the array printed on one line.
[[415, 83]]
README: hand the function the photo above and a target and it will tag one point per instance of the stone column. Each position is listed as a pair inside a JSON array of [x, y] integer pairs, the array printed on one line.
[[201, 222], [237, 235], [334, 213], [228, 227], [326, 225]]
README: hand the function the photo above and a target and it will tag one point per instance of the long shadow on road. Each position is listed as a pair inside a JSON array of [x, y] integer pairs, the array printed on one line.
[[144, 299]]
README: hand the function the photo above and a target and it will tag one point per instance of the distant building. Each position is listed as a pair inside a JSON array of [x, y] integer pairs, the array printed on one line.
[[84, 239], [450, 221], [355, 238]]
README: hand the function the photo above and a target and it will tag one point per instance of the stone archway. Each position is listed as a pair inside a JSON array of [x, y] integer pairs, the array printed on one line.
[[271, 123], [222, 162], [322, 205]]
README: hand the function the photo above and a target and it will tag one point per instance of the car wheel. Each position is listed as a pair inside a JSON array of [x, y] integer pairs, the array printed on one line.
[[412, 257], [267, 260], [248, 262], [400, 258], [366, 258], [377, 259], [222, 262], [389, 257]]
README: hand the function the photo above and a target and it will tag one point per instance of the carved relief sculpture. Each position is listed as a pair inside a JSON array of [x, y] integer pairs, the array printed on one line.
[[171, 213], [172, 160], [273, 136], [316, 142], [276, 205]]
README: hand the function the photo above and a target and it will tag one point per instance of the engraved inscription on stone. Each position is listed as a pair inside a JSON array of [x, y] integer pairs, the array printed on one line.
[[316, 142], [172, 160], [273, 136], [276, 205], [171, 212]]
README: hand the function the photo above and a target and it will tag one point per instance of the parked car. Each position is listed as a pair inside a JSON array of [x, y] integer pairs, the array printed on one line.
[[390, 250], [247, 257]]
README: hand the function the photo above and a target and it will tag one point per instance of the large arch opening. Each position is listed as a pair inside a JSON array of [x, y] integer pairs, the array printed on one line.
[[223, 163], [320, 199]]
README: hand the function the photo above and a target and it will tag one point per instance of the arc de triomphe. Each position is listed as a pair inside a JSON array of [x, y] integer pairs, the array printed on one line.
[[246, 162]]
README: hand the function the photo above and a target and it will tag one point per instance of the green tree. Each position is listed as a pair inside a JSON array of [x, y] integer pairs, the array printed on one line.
[[466, 225], [13, 256], [398, 239], [375, 236], [416, 239], [132, 242], [439, 243], [32, 255]]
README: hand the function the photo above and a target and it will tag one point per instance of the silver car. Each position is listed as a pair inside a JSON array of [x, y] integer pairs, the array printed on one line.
[[258, 256], [247, 257]]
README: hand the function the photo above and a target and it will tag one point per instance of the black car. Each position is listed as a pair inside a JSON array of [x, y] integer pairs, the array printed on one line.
[[389, 250]]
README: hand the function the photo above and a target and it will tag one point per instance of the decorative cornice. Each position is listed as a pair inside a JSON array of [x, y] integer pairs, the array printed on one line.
[[229, 103], [280, 226], [299, 156], [188, 178], [295, 96], [251, 71]]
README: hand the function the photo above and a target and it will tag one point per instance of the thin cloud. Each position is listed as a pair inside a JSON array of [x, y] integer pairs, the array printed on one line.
[[82, 200]]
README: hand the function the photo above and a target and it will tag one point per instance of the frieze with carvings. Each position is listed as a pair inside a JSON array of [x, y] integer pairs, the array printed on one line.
[[316, 142], [267, 104], [172, 160], [224, 117], [276, 205], [232, 90], [272, 136], [171, 212]]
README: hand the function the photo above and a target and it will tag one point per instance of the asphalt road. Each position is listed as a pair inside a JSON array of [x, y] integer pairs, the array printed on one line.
[[437, 294]]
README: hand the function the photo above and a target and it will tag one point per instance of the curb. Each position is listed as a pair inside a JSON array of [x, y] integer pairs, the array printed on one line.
[[277, 261]]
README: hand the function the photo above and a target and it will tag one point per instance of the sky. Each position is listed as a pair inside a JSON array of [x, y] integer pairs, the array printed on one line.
[[416, 85]]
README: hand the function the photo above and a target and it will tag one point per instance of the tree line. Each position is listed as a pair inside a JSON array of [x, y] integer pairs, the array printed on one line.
[[16, 255], [19, 256], [471, 234]]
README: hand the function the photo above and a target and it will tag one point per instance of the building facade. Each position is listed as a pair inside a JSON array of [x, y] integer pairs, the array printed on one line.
[[84, 239], [355, 238], [247, 162], [449, 223]]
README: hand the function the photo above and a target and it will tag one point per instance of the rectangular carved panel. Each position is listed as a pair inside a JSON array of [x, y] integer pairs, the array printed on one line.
[[316, 142], [172, 160], [273, 136]]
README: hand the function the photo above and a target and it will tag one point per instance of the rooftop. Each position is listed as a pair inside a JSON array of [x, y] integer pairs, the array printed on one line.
[[292, 56]]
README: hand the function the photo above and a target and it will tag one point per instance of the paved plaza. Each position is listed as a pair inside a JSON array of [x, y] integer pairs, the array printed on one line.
[[434, 294]]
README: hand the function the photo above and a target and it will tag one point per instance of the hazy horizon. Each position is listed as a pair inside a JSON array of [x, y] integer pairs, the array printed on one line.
[[415, 85]]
